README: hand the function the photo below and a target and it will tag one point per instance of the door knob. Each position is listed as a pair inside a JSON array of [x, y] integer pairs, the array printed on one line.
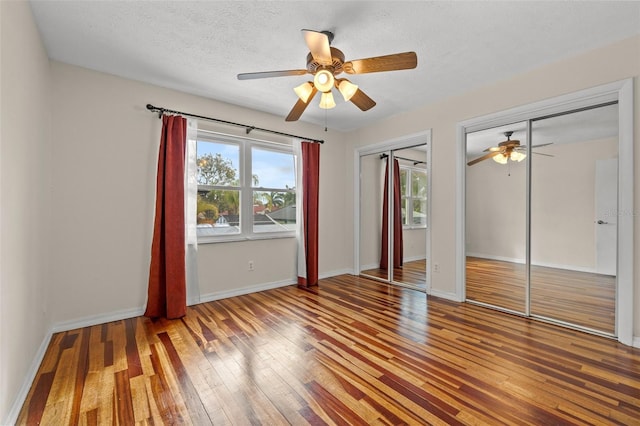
[[601, 222]]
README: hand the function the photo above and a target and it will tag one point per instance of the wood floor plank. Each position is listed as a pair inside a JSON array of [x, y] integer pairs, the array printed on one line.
[[353, 351], [580, 298]]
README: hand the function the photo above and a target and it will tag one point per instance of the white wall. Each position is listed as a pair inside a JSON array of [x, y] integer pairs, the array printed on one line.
[[611, 63], [25, 158], [105, 155]]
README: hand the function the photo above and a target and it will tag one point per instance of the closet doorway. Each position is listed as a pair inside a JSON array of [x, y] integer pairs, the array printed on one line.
[[393, 188]]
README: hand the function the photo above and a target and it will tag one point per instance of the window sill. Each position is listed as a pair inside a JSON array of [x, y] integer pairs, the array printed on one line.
[[240, 238], [408, 228]]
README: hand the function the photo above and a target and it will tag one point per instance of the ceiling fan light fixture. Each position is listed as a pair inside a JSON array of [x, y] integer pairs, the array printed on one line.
[[326, 101], [518, 156], [304, 91], [323, 80], [500, 158], [347, 89]]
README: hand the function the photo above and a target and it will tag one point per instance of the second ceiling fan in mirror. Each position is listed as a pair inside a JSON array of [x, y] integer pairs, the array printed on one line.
[[507, 150], [325, 63]]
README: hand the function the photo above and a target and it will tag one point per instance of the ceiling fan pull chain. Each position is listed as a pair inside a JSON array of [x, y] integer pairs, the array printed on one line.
[[325, 120]]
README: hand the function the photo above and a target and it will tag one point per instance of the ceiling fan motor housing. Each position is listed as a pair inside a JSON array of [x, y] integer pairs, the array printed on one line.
[[336, 67]]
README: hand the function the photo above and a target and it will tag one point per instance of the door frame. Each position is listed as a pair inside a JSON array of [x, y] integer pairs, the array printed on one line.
[[407, 141], [620, 91]]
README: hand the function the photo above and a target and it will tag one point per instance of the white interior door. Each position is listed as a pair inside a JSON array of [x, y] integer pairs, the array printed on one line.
[[606, 226]]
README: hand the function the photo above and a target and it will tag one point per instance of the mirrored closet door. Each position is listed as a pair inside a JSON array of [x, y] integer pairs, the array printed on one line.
[[574, 188], [541, 199], [394, 216], [496, 212]]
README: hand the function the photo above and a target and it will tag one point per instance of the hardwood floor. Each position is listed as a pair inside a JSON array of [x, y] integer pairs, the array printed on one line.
[[354, 352], [579, 298], [412, 273]]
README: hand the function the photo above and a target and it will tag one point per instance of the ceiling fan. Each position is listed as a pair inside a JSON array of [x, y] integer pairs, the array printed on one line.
[[325, 63], [509, 149]]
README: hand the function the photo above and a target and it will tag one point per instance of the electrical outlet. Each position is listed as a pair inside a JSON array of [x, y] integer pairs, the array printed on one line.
[[251, 265], [436, 267]]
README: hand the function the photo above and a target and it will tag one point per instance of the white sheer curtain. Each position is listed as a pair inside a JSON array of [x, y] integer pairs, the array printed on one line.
[[191, 207], [302, 264]]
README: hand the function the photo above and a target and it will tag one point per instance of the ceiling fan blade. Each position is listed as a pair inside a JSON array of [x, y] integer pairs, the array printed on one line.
[[484, 157], [536, 146], [540, 153], [269, 74], [362, 101], [397, 61], [300, 106], [318, 44]]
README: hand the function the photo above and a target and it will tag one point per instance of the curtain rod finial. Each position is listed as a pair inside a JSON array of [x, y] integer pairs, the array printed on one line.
[[152, 108]]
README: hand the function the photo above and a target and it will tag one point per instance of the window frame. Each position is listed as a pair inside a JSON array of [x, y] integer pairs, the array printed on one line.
[[408, 199], [246, 188]]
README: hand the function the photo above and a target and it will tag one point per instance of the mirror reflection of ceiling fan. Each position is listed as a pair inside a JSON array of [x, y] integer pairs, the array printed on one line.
[[325, 63], [508, 150]]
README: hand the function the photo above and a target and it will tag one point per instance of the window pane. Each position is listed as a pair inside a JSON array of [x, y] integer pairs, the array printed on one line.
[[403, 182], [274, 211], [218, 163], [418, 184], [403, 205], [419, 212], [218, 212], [272, 169]]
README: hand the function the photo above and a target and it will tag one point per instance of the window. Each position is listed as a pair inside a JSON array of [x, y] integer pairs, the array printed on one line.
[[413, 187], [246, 189]]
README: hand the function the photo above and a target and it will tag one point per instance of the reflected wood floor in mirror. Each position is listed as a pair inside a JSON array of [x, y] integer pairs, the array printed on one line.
[[579, 298], [354, 351], [413, 273]]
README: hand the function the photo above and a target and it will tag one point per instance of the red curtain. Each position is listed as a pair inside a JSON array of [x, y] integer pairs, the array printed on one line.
[[310, 196], [167, 294], [397, 219]]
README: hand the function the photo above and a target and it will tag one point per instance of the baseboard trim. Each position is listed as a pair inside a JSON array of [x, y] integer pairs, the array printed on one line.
[[97, 319], [370, 266], [14, 412], [218, 295], [445, 295], [543, 264], [335, 273], [636, 342]]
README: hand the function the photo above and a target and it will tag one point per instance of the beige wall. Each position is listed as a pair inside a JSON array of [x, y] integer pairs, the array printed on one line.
[[562, 209], [563, 204], [25, 188], [496, 210], [105, 155], [615, 62]]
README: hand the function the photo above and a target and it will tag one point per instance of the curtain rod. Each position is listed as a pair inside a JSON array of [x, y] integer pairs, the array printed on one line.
[[402, 158], [248, 128]]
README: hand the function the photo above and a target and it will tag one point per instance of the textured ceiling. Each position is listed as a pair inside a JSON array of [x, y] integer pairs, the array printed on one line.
[[200, 47]]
